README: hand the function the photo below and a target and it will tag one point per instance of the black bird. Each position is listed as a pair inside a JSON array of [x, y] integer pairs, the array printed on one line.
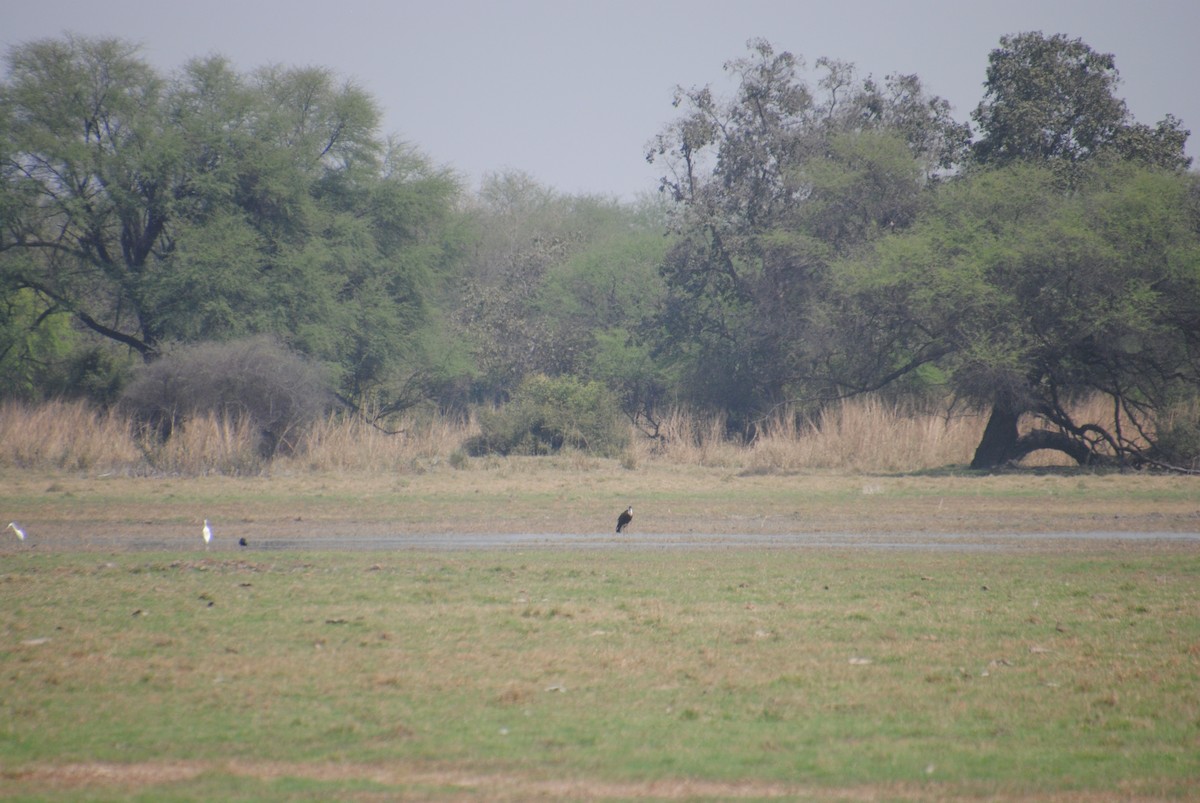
[[625, 518], [241, 542]]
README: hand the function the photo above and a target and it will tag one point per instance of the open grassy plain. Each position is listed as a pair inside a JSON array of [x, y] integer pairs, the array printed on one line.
[[949, 663], [584, 495]]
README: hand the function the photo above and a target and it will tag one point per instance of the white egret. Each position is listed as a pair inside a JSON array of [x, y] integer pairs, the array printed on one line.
[[207, 534], [20, 533]]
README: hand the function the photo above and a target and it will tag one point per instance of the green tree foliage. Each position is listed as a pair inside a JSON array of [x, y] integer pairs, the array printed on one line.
[[1028, 297], [547, 414], [1051, 101], [552, 281], [770, 187], [33, 343], [1054, 99], [825, 247], [211, 205], [521, 230]]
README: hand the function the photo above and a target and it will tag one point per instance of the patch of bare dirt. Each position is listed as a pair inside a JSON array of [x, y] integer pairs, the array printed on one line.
[[453, 784], [71, 776]]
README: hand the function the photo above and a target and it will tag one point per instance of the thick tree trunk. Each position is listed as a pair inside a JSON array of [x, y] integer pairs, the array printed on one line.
[[999, 442], [1076, 449]]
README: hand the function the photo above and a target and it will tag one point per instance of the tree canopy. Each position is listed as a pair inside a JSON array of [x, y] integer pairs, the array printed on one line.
[[210, 204], [1029, 298], [1053, 99], [818, 234], [843, 239], [772, 185], [553, 283]]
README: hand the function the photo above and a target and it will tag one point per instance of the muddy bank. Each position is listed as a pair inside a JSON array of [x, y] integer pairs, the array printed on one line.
[[383, 542]]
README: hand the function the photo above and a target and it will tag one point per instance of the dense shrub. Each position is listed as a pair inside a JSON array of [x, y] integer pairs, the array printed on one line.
[[547, 414], [97, 373], [1178, 441], [252, 382]]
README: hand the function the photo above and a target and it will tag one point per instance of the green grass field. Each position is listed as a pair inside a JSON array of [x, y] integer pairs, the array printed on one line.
[[1044, 669]]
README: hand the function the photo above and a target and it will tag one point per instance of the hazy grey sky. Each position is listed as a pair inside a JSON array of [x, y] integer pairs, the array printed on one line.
[[570, 91]]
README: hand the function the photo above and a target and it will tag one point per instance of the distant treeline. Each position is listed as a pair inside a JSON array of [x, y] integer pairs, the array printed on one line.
[[250, 246]]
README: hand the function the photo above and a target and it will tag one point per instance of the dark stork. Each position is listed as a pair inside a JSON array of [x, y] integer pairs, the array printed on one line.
[[625, 518]]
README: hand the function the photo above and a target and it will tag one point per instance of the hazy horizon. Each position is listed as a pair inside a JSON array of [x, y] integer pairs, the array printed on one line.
[[571, 92]]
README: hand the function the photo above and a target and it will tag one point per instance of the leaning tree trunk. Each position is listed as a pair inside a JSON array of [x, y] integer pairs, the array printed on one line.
[[999, 442]]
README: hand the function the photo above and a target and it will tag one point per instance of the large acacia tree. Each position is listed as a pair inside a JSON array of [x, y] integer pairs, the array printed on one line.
[[825, 249], [211, 204], [770, 186], [1051, 101], [1026, 298]]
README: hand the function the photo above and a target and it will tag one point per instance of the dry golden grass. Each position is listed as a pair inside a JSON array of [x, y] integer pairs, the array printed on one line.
[[202, 446], [867, 435], [337, 443], [860, 435], [688, 438], [65, 435], [864, 435]]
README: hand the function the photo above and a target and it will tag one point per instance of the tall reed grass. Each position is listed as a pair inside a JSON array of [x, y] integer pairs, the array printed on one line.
[[65, 435], [866, 435], [861, 435], [858, 435], [338, 443]]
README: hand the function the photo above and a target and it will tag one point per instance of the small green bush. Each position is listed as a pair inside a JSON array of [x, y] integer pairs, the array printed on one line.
[[98, 373], [547, 414]]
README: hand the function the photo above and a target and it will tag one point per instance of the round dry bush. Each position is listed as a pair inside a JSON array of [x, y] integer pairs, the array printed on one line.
[[253, 381]]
